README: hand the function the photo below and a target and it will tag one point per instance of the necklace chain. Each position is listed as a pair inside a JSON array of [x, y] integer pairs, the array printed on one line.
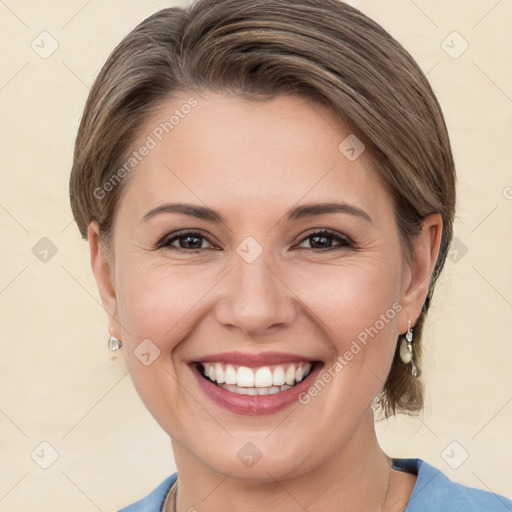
[[171, 498], [387, 488]]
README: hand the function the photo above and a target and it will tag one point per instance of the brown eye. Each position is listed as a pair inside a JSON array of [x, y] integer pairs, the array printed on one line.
[[189, 241], [326, 240]]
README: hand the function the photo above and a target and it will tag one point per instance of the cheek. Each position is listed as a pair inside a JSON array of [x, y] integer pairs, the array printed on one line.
[[357, 308], [158, 302], [350, 297], [159, 307]]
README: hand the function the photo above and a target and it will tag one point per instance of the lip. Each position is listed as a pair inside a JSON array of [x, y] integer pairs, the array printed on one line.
[[255, 405], [253, 360]]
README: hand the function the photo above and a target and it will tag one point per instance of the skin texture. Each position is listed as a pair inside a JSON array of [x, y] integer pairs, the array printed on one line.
[[252, 162]]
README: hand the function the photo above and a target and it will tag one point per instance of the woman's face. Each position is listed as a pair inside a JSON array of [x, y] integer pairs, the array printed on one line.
[[252, 278]]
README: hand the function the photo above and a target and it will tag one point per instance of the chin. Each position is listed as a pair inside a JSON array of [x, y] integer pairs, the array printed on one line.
[[255, 458]]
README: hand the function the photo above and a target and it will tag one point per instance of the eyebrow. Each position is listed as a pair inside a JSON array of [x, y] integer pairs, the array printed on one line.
[[313, 209], [300, 212]]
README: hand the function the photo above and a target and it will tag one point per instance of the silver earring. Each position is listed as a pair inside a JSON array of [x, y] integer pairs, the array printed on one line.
[[114, 344], [407, 352]]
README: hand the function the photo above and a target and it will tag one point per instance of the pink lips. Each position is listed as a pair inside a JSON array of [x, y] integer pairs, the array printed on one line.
[[253, 405]]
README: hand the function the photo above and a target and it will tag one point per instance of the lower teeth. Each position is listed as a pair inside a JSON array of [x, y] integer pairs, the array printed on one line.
[[254, 391]]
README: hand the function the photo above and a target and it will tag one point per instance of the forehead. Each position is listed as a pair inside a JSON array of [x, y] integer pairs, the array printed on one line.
[[230, 152]]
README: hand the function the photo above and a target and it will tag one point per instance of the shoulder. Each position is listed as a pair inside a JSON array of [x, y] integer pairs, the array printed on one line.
[[154, 500], [434, 491]]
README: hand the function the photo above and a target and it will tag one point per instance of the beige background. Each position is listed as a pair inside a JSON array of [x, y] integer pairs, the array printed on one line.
[[60, 384]]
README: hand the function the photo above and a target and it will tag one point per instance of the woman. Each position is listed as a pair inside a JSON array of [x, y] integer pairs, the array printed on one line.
[[268, 192]]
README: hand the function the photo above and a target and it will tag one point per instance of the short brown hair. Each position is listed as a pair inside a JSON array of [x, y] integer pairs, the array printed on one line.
[[323, 50]]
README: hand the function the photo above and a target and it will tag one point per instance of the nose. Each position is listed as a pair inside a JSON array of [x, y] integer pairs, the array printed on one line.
[[255, 299]]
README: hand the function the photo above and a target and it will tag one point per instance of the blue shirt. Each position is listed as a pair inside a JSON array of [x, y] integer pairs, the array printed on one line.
[[433, 492]]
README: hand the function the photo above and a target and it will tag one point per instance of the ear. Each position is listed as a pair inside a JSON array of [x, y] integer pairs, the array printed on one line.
[[103, 272], [419, 271]]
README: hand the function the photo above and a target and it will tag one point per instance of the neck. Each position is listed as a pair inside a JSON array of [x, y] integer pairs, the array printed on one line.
[[356, 478]]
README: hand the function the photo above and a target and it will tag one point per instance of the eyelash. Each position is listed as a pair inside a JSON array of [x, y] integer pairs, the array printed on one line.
[[344, 241]]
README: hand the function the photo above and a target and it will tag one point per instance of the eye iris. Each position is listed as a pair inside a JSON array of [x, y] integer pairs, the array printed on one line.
[[190, 242], [320, 241]]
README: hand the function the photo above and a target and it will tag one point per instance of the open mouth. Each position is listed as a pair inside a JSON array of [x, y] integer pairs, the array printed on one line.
[[264, 380]]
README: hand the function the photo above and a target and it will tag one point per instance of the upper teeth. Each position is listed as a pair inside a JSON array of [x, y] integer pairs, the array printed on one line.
[[265, 376]]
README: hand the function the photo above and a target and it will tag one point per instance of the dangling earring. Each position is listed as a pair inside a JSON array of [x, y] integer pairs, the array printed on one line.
[[406, 351], [114, 344]]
